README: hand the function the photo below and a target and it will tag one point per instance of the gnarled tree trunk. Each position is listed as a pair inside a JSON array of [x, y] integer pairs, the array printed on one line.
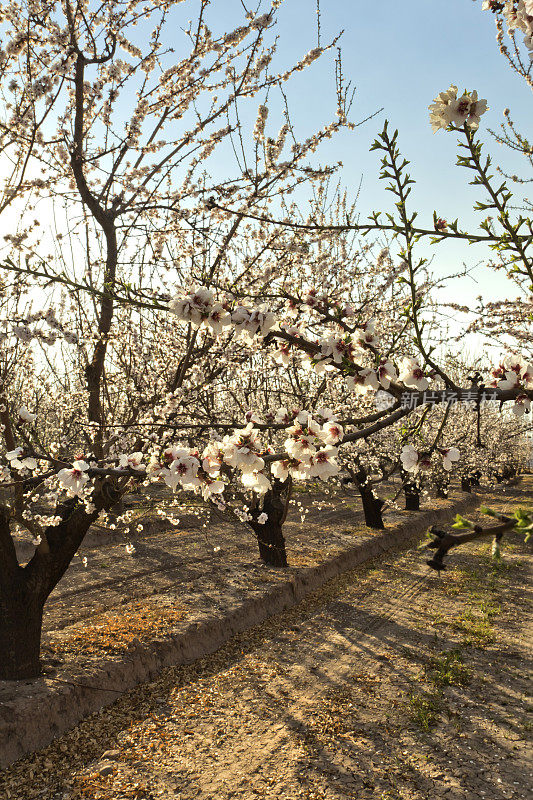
[[372, 505], [270, 534], [24, 590]]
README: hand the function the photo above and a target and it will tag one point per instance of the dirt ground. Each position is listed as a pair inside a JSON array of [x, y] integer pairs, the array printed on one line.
[[390, 682]]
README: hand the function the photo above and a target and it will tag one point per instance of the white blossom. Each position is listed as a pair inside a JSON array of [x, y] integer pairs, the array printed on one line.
[[449, 109], [412, 376], [449, 456], [74, 479], [409, 458], [25, 415]]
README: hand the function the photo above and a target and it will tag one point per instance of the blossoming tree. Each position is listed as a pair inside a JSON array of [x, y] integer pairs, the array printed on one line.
[[138, 184]]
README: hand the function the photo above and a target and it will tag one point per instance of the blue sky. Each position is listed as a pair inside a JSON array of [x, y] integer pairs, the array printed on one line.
[[399, 55]]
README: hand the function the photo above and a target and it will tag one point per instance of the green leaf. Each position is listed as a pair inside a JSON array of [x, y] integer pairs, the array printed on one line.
[[461, 523], [488, 511]]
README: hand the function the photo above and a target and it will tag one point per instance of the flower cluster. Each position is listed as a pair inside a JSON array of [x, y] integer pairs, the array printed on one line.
[[518, 16], [179, 466], [449, 109], [412, 375], [515, 373], [24, 333], [413, 461], [311, 449], [201, 308]]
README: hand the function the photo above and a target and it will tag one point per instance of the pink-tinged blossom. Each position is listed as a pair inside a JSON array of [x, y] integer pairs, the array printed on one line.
[[332, 433], [301, 448], [386, 373], [74, 479], [186, 469], [253, 322], [212, 459], [210, 488], [323, 465], [280, 470], [335, 347], [185, 310], [409, 458], [510, 381], [283, 416], [526, 374], [172, 479], [251, 416], [449, 109], [412, 376], [367, 335], [449, 456], [363, 381], [243, 458], [257, 481], [199, 308], [133, 461], [283, 356], [311, 299], [218, 318]]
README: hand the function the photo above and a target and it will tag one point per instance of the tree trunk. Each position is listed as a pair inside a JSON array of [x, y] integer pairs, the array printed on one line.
[[474, 478], [24, 590], [412, 497], [371, 505], [20, 638], [371, 508], [465, 485], [270, 535]]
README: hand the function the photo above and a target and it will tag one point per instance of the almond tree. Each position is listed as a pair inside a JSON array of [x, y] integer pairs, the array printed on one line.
[[129, 178], [142, 183]]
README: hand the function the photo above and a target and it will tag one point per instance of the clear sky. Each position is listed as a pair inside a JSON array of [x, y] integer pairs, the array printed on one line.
[[399, 55]]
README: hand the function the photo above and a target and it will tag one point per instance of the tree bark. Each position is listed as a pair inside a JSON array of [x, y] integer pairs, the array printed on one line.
[[20, 636], [474, 478], [371, 505], [371, 508], [24, 590], [412, 497], [270, 537]]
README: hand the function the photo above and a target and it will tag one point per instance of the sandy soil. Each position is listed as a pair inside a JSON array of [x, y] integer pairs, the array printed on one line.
[[390, 682], [200, 546]]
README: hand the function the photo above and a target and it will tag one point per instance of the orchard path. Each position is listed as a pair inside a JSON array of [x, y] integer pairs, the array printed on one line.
[[195, 550], [390, 682]]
